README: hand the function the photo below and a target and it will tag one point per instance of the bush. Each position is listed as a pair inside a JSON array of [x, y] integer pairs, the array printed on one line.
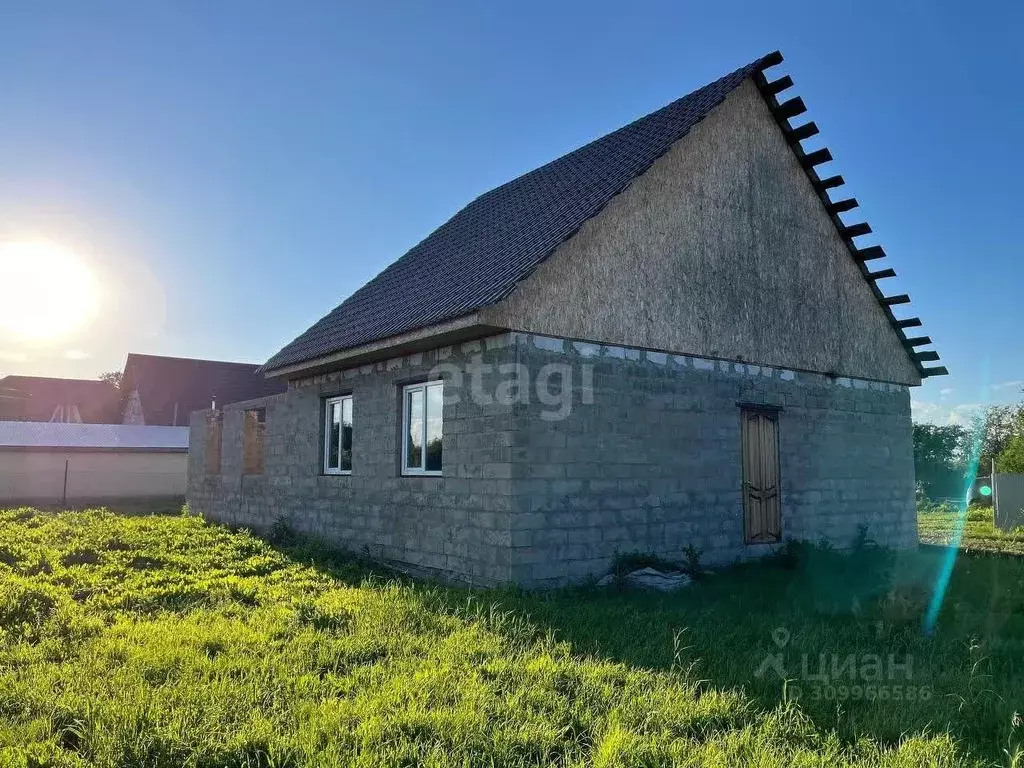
[[282, 533], [926, 506]]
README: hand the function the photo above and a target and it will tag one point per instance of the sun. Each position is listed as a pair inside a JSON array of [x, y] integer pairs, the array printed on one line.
[[46, 291]]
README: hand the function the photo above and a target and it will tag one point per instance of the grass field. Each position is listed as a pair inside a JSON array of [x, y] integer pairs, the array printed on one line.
[[166, 641], [938, 524]]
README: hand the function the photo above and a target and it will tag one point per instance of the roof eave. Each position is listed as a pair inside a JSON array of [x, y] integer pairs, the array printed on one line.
[[459, 329]]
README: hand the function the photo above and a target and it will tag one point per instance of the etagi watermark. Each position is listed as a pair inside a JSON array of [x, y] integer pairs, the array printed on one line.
[[833, 676], [552, 385]]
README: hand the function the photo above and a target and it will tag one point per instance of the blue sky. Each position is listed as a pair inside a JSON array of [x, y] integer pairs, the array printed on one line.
[[232, 170]]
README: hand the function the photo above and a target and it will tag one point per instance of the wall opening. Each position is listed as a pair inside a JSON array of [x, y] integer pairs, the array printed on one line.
[[213, 442], [254, 429]]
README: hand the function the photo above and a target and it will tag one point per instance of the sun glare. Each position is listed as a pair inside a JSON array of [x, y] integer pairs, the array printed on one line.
[[46, 291]]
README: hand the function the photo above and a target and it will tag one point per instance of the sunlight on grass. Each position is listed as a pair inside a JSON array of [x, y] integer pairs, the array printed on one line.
[[167, 641]]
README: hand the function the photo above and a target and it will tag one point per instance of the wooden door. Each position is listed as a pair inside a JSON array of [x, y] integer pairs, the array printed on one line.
[[762, 510]]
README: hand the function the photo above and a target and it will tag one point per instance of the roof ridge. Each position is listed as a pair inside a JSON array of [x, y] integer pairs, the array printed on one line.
[[189, 359], [664, 108]]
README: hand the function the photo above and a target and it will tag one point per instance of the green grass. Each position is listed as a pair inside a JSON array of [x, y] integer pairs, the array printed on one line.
[[938, 524], [166, 641]]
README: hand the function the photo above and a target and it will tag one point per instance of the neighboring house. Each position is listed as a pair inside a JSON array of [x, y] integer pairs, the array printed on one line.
[[39, 398], [52, 462], [164, 391], [666, 338]]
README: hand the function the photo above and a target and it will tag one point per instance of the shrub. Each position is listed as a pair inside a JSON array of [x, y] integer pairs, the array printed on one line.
[[693, 566], [863, 539], [282, 533]]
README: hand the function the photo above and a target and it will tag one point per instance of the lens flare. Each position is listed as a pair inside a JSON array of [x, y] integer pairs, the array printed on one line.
[[931, 618]]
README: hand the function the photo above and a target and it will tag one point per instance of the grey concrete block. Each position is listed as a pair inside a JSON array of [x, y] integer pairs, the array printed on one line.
[[651, 464]]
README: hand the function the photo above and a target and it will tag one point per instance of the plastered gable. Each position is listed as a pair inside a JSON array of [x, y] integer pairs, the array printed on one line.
[[722, 248]]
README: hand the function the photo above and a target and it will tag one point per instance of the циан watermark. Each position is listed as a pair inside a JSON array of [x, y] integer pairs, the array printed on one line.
[[834, 676]]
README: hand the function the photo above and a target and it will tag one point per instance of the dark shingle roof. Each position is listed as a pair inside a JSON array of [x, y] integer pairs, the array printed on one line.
[[191, 385], [476, 258]]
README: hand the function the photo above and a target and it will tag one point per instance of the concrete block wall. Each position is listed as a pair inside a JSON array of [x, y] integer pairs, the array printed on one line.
[[603, 449], [653, 462], [457, 525]]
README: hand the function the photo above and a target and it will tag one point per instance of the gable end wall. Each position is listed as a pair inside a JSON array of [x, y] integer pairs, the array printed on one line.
[[649, 459], [721, 249]]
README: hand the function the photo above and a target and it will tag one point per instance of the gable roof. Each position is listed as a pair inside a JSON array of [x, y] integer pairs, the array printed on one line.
[[478, 256], [35, 398], [191, 385]]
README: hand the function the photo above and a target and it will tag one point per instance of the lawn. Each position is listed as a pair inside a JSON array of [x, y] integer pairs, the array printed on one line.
[[162, 640], [938, 524]]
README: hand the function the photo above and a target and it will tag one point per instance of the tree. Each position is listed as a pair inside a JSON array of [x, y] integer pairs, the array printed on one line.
[[941, 445], [1011, 458], [996, 427], [940, 458], [112, 377], [117, 407]]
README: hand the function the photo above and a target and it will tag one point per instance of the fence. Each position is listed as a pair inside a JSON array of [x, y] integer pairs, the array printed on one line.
[[1008, 498], [53, 476], [52, 462]]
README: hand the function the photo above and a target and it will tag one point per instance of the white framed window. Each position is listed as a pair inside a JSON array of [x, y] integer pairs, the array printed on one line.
[[338, 435], [422, 420]]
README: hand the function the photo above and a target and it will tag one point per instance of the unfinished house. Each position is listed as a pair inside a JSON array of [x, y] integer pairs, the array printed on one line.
[[672, 336]]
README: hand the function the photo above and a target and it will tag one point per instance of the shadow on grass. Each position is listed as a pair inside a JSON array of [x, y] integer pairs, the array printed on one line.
[[841, 633]]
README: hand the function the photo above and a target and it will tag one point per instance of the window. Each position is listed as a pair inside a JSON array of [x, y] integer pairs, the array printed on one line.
[[762, 521], [422, 424], [338, 436], [214, 430], [254, 429]]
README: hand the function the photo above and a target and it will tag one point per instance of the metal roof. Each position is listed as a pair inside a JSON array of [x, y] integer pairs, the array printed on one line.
[[107, 437]]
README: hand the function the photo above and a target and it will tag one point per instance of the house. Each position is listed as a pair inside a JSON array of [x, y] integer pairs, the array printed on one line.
[[40, 398], [53, 462], [164, 391], [670, 337]]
